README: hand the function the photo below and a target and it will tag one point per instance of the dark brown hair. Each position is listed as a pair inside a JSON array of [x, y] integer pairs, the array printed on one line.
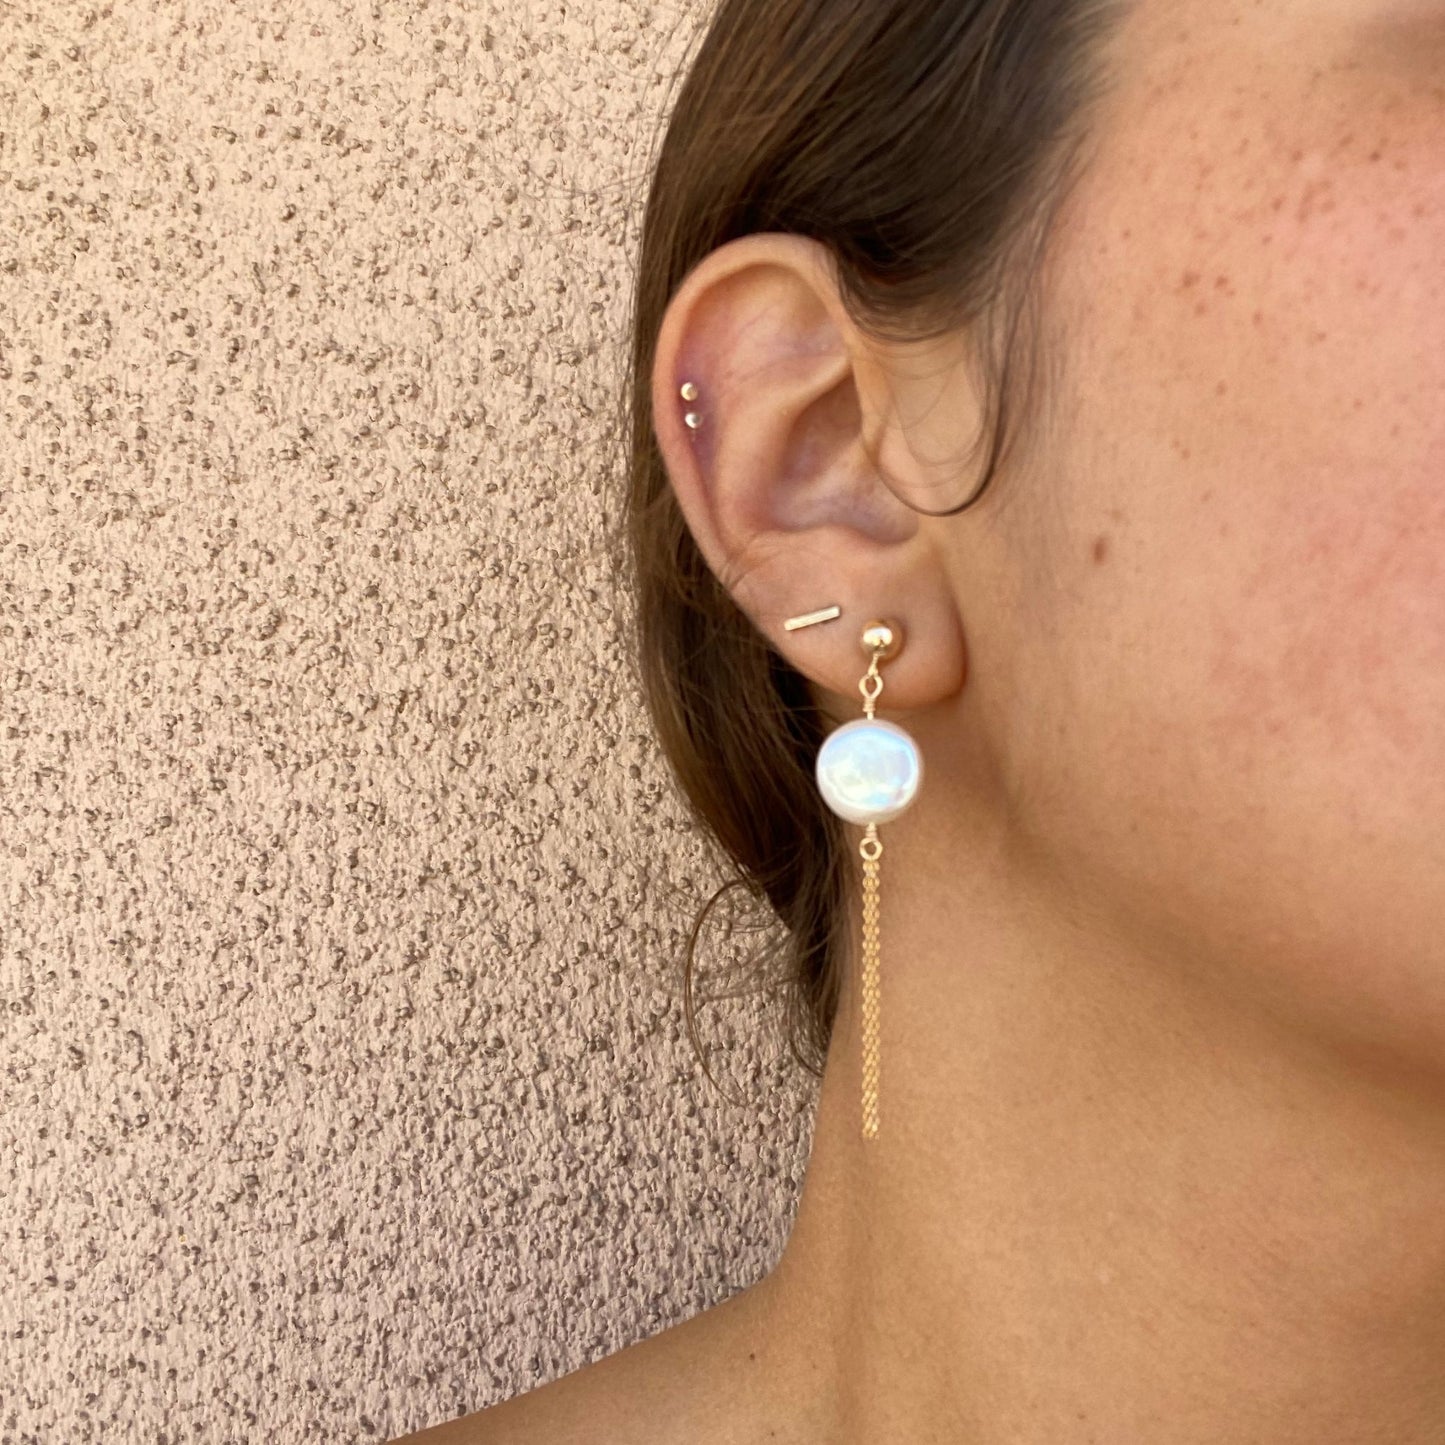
[[925, 144]]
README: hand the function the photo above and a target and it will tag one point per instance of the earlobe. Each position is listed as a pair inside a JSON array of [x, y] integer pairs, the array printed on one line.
[[766, 441]]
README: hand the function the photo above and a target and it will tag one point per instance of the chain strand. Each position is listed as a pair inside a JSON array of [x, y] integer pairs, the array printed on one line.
[[871, 849]]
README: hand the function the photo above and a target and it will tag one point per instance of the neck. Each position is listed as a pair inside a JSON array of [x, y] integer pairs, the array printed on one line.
[[1103, 1205]]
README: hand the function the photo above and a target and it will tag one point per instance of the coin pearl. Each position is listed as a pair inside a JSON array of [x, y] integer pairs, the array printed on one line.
[[869, 770]]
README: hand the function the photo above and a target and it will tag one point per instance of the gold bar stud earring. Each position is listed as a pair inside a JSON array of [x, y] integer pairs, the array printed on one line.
[[825, 614]]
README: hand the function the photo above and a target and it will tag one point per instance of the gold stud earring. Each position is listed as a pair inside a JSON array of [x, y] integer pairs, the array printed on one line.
[[689, 393], [868, 771]]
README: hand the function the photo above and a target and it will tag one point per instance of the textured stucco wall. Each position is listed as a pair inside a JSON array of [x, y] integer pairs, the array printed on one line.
[[344, 1084]]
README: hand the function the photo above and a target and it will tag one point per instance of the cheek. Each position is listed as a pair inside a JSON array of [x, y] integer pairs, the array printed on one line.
[[1251, 636], [1305, 400], [1321, 657], [1262, 392]]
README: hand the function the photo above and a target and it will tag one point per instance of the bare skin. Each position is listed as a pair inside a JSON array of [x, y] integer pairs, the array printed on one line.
[[1162, 1152]]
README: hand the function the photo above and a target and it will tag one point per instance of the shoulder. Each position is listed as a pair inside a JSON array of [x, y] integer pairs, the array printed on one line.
[[579, 1406], [663, 1390]]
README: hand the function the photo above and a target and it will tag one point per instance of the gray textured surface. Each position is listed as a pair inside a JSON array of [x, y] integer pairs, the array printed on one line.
[[345, 1083]]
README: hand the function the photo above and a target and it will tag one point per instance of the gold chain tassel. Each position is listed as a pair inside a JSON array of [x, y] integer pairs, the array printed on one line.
[[871, 849]]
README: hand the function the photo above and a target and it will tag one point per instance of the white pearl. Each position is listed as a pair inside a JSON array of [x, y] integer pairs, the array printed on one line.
[[869, 770]]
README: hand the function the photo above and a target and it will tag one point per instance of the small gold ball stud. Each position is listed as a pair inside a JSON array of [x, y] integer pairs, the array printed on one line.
[[689, 391], [883, 638]]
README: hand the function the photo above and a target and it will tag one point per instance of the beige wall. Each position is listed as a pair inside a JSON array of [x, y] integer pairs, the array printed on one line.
[[345, 1084]]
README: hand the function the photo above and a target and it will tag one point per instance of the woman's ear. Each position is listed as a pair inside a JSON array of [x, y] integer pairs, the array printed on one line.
[[776, 462]]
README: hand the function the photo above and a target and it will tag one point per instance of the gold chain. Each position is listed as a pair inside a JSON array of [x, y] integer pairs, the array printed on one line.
[[871, 849]]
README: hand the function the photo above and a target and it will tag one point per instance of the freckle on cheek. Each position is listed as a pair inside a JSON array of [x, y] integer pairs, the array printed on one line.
[[1317, 196], [1101, 548]]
